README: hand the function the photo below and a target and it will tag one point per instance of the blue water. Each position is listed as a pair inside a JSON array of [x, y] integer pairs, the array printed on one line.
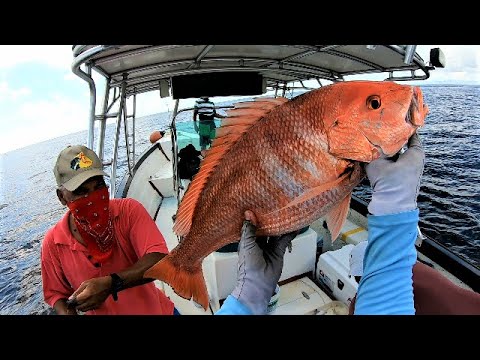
[[449, 198]]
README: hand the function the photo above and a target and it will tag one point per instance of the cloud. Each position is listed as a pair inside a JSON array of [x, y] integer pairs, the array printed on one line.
[[462, 63], [43, 120], [70, 76], [461, 58], [59, 56], [151, 103], [7, 94]]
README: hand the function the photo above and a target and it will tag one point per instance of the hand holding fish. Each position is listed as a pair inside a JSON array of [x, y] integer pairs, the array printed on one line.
[[260, 263], [395, 184]]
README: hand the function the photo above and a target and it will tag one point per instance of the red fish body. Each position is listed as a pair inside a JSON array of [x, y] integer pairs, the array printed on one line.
[[290, 162]]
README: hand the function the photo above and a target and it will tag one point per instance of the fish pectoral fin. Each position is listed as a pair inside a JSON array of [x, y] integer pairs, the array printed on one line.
[[187, 282], [337, 216], [309, 194], [315, 191]]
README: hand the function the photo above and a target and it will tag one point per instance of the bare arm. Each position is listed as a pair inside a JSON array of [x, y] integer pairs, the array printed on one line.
[[218, 115], [133, 276], [92, 293], [195, 125]]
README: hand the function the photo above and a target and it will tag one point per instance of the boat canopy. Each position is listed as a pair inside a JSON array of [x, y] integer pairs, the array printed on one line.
[[254, 69]]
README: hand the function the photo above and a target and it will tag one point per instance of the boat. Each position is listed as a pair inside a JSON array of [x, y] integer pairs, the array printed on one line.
[[315, 278]]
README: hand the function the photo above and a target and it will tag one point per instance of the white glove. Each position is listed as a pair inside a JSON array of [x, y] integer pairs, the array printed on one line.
[[260, 265], [395, 184]]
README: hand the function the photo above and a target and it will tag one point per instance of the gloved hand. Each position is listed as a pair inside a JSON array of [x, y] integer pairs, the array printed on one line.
[[259, 266], [395, 184]]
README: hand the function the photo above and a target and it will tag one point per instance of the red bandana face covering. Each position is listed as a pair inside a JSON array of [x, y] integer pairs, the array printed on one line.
[[92, 217]]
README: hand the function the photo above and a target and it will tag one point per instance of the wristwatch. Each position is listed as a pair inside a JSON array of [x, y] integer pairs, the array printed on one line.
[[117, 285]]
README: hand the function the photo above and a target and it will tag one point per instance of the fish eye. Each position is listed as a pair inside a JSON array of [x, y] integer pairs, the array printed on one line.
[[373, 102]]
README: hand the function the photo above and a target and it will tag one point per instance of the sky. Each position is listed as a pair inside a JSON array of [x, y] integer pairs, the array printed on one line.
[[41, 99]]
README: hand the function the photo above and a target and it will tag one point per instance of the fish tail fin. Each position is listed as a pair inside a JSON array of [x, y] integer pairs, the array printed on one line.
[[187, 282]]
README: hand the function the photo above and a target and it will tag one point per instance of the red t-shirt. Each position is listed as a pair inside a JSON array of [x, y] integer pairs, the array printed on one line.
[[65, 262]]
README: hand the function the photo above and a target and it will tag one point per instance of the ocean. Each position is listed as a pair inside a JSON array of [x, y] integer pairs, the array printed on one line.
[[449, 198]]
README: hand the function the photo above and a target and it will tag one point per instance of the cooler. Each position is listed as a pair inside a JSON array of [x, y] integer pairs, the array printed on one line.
[[220, 269], [332, 271]]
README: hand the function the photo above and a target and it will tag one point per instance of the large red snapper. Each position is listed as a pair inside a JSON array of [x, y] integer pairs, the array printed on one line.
[[290, 162]]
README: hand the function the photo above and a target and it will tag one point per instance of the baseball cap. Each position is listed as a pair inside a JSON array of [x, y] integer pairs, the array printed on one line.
[[356, 258], [75, 165]]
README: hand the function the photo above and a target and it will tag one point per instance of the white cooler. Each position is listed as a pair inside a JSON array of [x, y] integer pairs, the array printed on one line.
[[220, 269], [333, 269]]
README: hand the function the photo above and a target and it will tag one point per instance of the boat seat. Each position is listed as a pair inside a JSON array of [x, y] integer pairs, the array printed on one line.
[[162, 181]]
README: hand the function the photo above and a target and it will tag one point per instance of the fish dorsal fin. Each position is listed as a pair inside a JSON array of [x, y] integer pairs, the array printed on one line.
[[237, 122]]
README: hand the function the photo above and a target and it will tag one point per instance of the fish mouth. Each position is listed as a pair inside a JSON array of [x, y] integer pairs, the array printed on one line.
[[376, 148], [417, 110], [411, 110]]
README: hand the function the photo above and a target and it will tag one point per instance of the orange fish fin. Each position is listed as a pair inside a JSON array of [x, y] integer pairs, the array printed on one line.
[[337, 216], [310, 194], [231, 130], [314, 192], [239, 120], [262, 103], [186, 282]]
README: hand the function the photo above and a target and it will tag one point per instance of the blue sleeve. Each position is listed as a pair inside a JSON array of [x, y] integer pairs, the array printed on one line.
[[232, 306], [386, 285]]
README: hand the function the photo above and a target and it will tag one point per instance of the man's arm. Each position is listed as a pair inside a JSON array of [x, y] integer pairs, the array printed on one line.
[[55, 287], [195, 113], [218, 115], [386, 284], [92, 293], [133, 276], [195, 124]]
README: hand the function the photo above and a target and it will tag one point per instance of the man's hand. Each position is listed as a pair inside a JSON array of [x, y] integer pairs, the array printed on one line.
[[62, 307], [395, 184], [260, 265], [91, 294]]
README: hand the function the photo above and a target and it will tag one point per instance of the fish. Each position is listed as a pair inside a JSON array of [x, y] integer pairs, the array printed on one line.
[[290, 162]]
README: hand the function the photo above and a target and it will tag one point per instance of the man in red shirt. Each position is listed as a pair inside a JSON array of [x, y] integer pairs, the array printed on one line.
[[94, 258]]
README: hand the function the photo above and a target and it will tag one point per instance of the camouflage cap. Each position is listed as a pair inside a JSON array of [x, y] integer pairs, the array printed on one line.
[[75, 165]]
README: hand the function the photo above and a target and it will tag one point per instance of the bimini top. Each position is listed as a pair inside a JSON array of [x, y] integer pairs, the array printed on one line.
[[175, 69]]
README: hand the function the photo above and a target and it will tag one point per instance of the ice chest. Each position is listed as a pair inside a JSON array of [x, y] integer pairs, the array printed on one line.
[[333, 271]]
